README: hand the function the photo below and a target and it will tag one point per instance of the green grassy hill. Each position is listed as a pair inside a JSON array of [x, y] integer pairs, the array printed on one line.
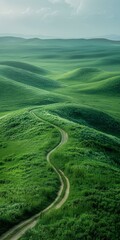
[[28, 78], [89, 117], [107, 87], [24, 66], [74, 84]]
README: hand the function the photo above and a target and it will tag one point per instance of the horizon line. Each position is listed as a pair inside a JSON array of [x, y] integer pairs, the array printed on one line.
[[58, 38]]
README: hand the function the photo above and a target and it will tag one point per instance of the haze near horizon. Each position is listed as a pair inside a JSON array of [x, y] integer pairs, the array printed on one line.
[[60, 18]]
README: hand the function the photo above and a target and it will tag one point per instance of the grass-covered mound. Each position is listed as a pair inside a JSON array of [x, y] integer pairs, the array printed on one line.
[[28, 78], [24, 66], [81, 75], [89, 117], [27, 183], [75, 85], [91, 162], [110, 86], [16, 95]]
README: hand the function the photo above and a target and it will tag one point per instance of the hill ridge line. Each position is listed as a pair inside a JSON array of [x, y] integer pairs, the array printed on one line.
[[19, 230]]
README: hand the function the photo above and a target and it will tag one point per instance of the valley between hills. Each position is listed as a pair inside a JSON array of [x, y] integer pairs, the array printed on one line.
[[60, 139]]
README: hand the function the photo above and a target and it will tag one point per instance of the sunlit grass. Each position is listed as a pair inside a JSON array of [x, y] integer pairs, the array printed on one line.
[[75, 85]]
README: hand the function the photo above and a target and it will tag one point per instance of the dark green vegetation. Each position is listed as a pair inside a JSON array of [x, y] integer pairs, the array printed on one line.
[[74, 84], [28, 184]]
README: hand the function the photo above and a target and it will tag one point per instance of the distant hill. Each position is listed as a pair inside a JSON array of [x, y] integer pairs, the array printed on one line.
[[13, 39]]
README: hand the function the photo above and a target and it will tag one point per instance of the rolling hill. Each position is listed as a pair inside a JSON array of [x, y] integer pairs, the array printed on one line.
[[48, 87]]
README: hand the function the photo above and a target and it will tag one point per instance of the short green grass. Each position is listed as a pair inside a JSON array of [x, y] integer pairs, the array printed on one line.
[[91, 162], [28, 184], [74, 84]]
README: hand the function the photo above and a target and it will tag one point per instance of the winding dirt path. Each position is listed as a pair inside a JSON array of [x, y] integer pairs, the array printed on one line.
[[19, 230], [3, 116]]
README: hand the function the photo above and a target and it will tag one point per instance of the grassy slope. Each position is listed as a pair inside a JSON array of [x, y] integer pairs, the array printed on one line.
[[91, 162], [27, 182], [81, 79]]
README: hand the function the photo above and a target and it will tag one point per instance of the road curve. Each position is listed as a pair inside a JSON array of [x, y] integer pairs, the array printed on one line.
[[3, 116], [19, 230]]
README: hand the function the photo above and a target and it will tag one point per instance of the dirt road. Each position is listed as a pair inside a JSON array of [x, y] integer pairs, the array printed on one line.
[[19, 230]]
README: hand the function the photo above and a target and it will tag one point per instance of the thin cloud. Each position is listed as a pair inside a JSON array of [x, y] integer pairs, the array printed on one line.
[[43, 12], [75, 4], [27, 11], [54, 1], [60, 18]]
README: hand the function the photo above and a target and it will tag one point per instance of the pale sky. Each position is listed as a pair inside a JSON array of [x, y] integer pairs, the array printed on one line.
[[60, 18]]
